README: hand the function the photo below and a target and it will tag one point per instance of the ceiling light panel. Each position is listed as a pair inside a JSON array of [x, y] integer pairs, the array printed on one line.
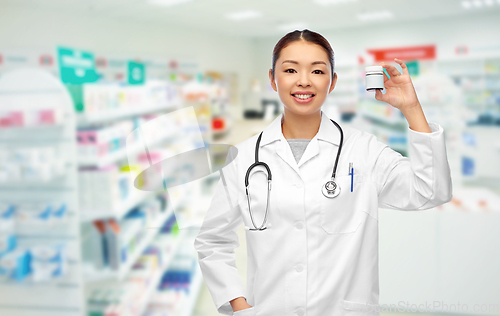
[[243, 15], [375, 15], [466, 4], [292, 26], [477, 3], [332, 2], [168, 3]]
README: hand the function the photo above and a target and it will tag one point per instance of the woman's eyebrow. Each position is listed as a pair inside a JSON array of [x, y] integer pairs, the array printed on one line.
[[295, 62]]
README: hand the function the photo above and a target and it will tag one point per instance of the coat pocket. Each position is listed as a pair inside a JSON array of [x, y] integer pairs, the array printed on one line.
[[246, 312], [351, 308], [341, 214]]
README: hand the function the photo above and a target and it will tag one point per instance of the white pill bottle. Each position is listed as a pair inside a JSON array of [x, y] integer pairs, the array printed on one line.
[[374, 78]]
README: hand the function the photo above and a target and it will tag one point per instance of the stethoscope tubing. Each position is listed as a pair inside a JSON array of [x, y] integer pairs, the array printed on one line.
[[267, 207], [269, 176], [340, 148]]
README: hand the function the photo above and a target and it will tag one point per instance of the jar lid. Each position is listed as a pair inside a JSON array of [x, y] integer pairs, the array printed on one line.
[[374, 69]]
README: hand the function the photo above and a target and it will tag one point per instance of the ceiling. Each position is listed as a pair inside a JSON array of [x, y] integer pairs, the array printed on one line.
[[276, 16]]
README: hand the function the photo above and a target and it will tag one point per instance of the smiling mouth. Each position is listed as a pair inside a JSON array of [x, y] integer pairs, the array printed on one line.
[[303, 96]]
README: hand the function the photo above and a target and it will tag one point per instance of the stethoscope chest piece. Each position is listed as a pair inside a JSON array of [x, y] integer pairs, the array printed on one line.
[[330, 189]]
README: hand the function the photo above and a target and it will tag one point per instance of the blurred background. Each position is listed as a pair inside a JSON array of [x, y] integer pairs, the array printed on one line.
[[79, 78]]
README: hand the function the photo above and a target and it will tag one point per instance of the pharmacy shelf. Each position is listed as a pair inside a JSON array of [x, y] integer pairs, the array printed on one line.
[[156, 278], [92, 275], [118, 212], [34, 135], [26, 90], [122, 153], [477, 77], [87, 119], [383, 119], [57, 183], [194, 290], [345, 93], [228, 125], [137, 307], [395, 138], [69, 279]]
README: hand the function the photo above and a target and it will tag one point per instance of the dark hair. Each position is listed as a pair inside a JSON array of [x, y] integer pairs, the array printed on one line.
[[307, 36]]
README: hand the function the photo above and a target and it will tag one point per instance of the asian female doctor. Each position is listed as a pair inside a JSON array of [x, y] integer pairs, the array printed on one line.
[[313, 244]]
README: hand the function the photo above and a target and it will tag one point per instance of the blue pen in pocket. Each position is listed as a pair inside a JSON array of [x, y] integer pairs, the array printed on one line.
[[351, 172]]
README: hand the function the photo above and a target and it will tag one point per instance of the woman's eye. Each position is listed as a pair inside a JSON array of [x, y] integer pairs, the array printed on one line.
[[320, 71]]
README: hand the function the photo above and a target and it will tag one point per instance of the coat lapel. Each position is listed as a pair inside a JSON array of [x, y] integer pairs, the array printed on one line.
[[284, 152], [327, 132], [311, 151], [273, 135]]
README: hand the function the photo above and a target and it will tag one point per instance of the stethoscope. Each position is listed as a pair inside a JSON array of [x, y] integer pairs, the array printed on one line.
[[330, 189]]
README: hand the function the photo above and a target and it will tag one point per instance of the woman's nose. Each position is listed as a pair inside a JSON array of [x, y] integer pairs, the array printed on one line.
[[304, 80]]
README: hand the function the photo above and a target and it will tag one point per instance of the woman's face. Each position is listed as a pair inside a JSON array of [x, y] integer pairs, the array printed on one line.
[[303, 77]]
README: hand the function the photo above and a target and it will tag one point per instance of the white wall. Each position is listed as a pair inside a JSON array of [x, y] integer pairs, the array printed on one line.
[[23, 29], [482, 31]]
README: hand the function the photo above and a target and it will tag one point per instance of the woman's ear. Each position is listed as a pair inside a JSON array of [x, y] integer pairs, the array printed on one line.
[[334, 81], [273, 81]]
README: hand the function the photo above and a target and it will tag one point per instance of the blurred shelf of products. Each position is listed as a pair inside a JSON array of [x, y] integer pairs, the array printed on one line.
[[40, 257], [472, 129], [84, 228], [425, 239], [143, 259]]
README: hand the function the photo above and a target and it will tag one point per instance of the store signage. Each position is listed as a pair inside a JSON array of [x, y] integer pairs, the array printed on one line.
[[173, 64], [17, 59], [413, 67], [404, 53], [462, 50], [117, 63], [101, 62], [46, 60], [136, 72], [76, 66]]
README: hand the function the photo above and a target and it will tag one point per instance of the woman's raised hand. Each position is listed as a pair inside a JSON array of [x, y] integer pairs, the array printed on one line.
[[400, 92]]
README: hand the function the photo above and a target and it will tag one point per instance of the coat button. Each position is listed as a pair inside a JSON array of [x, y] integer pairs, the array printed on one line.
[[298, 185], [300, 312], [299, 268], [299, 225]]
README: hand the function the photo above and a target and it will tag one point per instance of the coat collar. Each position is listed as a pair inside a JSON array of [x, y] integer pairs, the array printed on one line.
[[327, 132]]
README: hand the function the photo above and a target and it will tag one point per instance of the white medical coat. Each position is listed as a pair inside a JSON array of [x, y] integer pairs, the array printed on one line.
[[320, 256]]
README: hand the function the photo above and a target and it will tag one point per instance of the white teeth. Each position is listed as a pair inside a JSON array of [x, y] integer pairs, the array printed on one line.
[[303, 96]]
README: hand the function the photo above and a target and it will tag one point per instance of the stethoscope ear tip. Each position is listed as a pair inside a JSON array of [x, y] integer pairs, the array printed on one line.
[[247, 228]]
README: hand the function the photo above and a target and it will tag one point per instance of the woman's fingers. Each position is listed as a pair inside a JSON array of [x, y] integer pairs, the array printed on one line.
[[393, 72], [379, 95], [385, 77], [403, 66]]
